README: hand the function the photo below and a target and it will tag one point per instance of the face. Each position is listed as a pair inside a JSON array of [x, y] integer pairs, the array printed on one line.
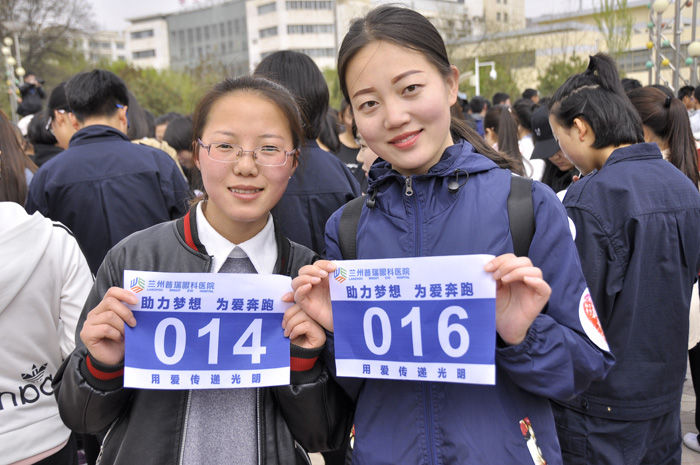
[[572, 147], [185, 158], [365, 156], [242, 193], [160, 131], [561, 162], [401, 105], [63, 128]]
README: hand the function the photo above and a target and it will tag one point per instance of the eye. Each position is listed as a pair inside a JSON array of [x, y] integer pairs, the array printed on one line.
[[224, 147], [411, 89], [269, 149], [369, 104]]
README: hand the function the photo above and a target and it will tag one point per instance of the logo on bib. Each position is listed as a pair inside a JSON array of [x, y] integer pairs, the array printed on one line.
[[340, 275], [590, 321], [137, 285]]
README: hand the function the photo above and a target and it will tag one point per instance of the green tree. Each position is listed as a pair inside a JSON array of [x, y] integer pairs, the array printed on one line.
[[335, 94], [615, 22], [557, 72]]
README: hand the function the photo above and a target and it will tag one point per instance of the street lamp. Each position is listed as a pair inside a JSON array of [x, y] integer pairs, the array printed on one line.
[[492, 74]]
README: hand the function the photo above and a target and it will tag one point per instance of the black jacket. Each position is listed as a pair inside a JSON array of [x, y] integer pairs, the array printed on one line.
[[145, 426]]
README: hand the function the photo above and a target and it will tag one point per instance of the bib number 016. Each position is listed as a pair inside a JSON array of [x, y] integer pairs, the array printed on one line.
[[412, 319], [252, 332]]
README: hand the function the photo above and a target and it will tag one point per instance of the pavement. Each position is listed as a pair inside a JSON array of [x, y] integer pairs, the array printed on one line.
[[689, 457]]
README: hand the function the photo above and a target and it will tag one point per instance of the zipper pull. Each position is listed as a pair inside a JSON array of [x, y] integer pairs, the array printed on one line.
[[409, 186]]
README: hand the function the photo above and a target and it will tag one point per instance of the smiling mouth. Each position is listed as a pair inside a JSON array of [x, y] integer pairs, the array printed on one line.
[[404, 139], [245, 191]]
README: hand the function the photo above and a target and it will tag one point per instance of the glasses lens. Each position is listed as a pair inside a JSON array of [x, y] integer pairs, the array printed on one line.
[[269, 155]]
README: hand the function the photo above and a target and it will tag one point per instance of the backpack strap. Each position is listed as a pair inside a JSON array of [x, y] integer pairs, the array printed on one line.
[[521, 214], [347, 228]]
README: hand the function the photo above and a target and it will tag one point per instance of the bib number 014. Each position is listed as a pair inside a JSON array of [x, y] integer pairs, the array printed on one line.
[[445, 330], [253, 333]]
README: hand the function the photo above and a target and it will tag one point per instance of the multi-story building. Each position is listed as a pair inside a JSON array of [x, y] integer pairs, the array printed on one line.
[[102, 45], [215, 35], [147, 41]]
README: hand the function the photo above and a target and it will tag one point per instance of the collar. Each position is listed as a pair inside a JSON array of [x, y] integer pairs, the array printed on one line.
[[96, 133], [642, 151], [261, 249]]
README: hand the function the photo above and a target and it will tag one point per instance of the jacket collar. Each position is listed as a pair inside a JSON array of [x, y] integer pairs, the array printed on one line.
[[460, 156], [96, 133], [643, 151], [187, 229]]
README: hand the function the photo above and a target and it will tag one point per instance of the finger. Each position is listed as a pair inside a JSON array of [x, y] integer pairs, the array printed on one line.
[[123, 295], [288, 297], [326, 265], [518, 274], [497, 261], [95, 334], [288, 314], [508, 265], [301, 293], [294, 320], [118, 307], [305, 279], [539, 285], [108, 318], [302, 330]]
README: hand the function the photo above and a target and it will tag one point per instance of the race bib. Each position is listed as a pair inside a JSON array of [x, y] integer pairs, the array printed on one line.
[[419, 319], [206, 331]]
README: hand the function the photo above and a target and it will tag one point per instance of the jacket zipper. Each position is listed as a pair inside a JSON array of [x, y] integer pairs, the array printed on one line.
[[427, 390], [258, 402], [104, 441], [184, 429]]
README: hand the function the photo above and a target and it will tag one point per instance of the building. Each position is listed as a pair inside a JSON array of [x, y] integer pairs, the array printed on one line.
[[147, 42], [216, 35], [102, 45]]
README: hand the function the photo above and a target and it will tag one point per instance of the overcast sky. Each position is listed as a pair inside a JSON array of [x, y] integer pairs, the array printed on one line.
[[112, 15]]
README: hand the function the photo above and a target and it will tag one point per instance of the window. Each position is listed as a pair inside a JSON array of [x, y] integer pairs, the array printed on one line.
[[206, 32], [268, 32], [190, 35], [317, 52], [236, 25], [121, 58], [223, 47], [309, 5], [144, 54], [222, 29], [310, 29], [120, 45], [498, 16], [181, 36], [267, 8], [199, 33], [142, 34], [505, 17], [229, 23]]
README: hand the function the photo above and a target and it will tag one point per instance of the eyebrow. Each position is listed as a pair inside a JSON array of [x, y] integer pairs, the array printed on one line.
[[393, 81], [261, 136]]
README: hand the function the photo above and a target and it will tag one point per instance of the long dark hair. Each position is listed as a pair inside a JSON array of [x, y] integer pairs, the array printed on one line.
[[13, 163], [407, 28], [500, 120], [597, 96], [668, 118]]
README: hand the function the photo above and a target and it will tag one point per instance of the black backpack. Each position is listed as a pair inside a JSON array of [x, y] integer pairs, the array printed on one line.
[[521, 217]]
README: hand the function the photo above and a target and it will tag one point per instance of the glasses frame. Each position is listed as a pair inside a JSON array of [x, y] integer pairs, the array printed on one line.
[[50, 119], [242, 152]]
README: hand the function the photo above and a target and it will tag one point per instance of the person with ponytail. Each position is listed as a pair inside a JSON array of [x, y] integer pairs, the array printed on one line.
[[665, 122], [501, 132], [438, 189], [637, 220]]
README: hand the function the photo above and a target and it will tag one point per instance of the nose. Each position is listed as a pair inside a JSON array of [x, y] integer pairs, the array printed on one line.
[[395, 114], [245, 164]]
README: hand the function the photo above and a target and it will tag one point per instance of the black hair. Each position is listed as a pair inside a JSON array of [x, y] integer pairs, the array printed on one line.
[[95, 93], [57, 99], [529, 93], [477, 103], [178, 135], [167, 118], [696, 93], [151, 122], [685, 91], [301, 76], [555, 178], [522, 110], [597, 96], [328, 135], [667, 117], [138, 122], [665, 89], [499, 119], [407, 28], [629, 84], [37, 132], [499, 98]]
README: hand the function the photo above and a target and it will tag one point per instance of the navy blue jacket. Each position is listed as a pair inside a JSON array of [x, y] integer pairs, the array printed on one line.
[[638, 223], [104, 188], [412, 422], [321, 184]]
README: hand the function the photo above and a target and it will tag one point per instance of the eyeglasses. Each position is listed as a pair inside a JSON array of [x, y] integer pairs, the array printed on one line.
[[50, 120], [266, 155]]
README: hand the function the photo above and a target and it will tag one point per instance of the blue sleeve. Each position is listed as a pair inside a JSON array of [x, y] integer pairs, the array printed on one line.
[[173, 186], [36, 197], [558, 358]]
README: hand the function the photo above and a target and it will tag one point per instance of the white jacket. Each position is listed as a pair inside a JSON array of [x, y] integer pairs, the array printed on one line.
[[44, 281]]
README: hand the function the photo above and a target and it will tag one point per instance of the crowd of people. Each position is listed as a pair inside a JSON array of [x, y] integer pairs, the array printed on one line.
[[596, 313]]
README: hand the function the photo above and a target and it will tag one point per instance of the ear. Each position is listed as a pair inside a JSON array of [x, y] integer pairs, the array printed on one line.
[[583, 129], [453, 84], [73, 120], [195, 156]]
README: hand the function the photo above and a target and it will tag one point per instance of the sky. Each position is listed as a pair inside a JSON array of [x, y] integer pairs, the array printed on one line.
[[112, 15]]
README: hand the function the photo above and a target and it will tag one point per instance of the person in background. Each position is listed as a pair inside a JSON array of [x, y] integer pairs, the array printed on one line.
[[16, 168], [60, 121], [322, 183], [531, 94], [161, 124], [103, 187], [179, 137], [31, 95], [44, 143], [559, 171], [522, 112], [349, 147], [629, 84], [502, 134], [500, 98], [685, 95], [365, 156], [479, 105], [637, 219], [328, 135]]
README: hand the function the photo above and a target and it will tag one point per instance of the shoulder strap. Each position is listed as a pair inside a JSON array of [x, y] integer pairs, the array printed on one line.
[[521, 214], [347, 228]]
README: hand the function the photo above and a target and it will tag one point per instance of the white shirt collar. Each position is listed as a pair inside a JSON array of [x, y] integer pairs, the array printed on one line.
[[261, 249]]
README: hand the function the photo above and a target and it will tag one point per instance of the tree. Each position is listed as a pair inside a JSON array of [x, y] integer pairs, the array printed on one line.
[[615, 23], [557, 72], [334, 92]]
